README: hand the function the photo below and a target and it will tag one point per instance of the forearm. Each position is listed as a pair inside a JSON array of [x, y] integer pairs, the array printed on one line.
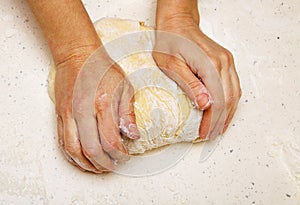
[[169, 9], [63, 23]]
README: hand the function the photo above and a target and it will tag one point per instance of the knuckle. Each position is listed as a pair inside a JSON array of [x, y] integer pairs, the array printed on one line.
[[226, 56], [223, 59]]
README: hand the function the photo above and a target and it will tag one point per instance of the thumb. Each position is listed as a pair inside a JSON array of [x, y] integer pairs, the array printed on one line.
[[128, 124], [180, 72]]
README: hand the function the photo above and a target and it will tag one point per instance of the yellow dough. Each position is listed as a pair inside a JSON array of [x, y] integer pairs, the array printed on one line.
[[164, 113]]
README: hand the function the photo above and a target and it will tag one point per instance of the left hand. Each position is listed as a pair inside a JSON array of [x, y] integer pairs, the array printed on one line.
[[94, 103]]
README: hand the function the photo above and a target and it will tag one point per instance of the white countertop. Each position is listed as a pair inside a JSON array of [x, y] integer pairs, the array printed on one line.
[[256, 162]]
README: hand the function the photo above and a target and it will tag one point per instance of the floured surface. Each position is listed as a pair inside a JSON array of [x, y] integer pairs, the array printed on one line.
[[164, 114], [255, 162]]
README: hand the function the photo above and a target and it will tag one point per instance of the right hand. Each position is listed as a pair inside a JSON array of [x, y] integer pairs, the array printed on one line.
[[201, 67], [92, 141]]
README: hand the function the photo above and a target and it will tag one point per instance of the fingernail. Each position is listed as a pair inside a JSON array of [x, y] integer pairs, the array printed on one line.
[[133, 132], [203, 101]]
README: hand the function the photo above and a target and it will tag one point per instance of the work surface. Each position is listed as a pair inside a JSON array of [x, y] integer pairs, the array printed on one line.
[[256, 162]]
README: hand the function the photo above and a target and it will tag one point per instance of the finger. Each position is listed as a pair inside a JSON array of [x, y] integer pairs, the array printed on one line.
[[230, 104], [219, 125], [60, 131], [180, 72], [212, 122], [205, 124], [214, 118], [108, 127], [72, 145], [192, 86], [228, 120], [228, 95], [236, 81], [201, 65], [128, 124], [90, 142], [236, 97]]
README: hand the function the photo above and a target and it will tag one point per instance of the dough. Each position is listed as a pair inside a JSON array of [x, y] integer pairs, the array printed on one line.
[[164, 113]]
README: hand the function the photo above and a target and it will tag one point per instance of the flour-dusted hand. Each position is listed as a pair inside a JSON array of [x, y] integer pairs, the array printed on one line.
[[93, 109], [91, 113], [201, 67]]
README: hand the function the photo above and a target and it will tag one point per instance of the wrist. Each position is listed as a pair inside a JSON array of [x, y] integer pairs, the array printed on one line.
[[67, 27], [175, 11], [73, 57], [73, 53]]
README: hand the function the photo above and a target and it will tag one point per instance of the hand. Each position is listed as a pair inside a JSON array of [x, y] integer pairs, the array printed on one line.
[[89, 134], [206, 74], [90, 111]]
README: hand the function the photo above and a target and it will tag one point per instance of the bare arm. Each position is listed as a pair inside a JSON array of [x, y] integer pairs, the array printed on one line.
[[60, 21]]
